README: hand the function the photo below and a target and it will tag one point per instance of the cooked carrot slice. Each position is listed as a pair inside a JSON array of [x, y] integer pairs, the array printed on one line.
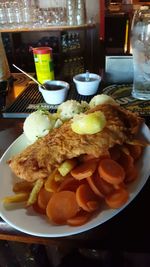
[[81, 218], [62, 206], [111, 171], [104, 187], [85, 195], [117, 198], [93, 205], [51, 184], [84, 170], [126, 161], [135, 151], [99, 186], [131, 175], [69, 184], [93, 186], [43, 198]]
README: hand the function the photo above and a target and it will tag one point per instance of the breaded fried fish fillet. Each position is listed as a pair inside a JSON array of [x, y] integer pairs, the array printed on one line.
[[39, 159]]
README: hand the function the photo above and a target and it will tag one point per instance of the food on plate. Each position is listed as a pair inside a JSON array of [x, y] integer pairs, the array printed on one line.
[[67, 166], [82, 192], [23, 186], [41, 122], [37, 125], [111, 171], [34, 192], [62, 206], [41, 158], [70, 108], [43, 198], [86, 198], [20, 197], [91, 123], [118, 198], [73, 175], [100, 100], [84, 170]]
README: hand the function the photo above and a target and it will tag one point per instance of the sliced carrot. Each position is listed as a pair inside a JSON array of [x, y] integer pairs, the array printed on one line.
[[111, 171], [85, 195], [131, 175], [118, 198], [69, 184], [126, 161], [43, 198], [51, 184], [93, 186], [81, 218], [62, 206], [104, 187], [115, 152], [135, 151], [93, 205], [84, 169]]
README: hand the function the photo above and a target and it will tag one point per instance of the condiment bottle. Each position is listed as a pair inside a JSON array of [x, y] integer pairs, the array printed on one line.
[[43, 63]]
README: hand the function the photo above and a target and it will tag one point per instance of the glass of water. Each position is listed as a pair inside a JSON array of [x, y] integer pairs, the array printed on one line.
[[140, 42]]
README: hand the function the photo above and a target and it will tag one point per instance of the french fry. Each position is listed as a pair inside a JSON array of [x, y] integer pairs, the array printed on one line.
[[15, 198], [67, 166], [34, 193], [23, 186]]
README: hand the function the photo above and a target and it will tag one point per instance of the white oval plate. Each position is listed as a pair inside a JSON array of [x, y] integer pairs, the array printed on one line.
[[32, 223]]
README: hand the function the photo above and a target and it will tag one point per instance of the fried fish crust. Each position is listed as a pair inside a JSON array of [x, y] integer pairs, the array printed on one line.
[[39, 159]]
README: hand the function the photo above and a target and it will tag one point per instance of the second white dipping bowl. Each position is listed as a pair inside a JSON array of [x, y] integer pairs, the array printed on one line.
[[56, 91], [89, 87]]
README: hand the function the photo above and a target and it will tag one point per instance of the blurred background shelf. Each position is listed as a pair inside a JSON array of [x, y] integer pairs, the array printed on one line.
[[73, 50], [49, 28]]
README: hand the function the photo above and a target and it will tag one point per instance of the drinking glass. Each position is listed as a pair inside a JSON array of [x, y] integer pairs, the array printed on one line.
[[71, 8], [3, 19], [140, 42], [80, 12]]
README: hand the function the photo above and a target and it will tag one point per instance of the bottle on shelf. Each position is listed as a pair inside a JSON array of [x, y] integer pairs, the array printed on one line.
[[70, 42]]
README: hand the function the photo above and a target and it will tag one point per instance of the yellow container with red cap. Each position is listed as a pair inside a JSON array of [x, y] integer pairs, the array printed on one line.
[[43, 63]]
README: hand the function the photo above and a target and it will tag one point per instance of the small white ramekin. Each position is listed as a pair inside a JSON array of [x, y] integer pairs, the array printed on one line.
[[87, 87], [55, 96]]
